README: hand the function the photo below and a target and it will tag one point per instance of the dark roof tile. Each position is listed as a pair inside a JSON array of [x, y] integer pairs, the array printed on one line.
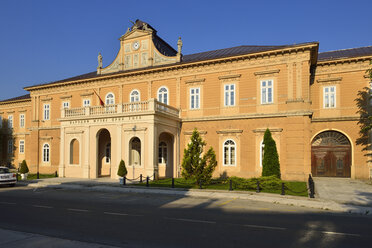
[[346, 53], [24, 97]]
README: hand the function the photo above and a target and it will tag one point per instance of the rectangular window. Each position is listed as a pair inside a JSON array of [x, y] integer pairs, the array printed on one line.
[[194, 98], [267, 95], [10, 147], [10, 121], [21, 120], [65, 105], [86, 102], [21, 146], [229, 94], [46, 111], [329, 97]]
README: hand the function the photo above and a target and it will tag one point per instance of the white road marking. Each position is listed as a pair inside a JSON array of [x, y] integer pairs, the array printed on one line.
[[78, 210], [192, 220], [111, 213], [267, 227], [41, 206], [8, 203], [345, 234]]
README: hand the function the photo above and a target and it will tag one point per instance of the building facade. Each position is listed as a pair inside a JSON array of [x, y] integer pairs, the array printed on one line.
[[153, 97]]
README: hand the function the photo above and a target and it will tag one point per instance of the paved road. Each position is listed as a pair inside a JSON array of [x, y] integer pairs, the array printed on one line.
[[141, 220]]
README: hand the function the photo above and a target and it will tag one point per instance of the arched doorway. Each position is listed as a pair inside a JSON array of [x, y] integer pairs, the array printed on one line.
[[165, 155], [331, 155], [103, 153]]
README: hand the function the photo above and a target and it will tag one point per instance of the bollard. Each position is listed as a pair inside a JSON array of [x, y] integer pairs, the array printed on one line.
[[231, 187], [172, 182], [124, 180], [258, 187], [283, 192], [37, 175], [55, 174], [141, 178], [147, 181], [200, 184], [154, 176]]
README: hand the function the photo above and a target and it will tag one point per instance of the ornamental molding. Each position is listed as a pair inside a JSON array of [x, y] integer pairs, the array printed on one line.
[[75, 132], [229, 131], [273, 130], [260, 73], [10, 112], [195, 80], [329, 80], [190, 132], [47, 99], [235, 76], [86, 94], [46, 137], [65, 97]]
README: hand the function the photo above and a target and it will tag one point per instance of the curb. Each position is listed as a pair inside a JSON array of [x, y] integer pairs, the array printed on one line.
[[263, 197]]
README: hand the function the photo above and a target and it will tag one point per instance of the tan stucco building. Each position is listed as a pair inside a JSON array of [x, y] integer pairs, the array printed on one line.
[[154, 96]]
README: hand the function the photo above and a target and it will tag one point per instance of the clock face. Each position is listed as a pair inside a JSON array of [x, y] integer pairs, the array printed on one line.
[[136, 45]]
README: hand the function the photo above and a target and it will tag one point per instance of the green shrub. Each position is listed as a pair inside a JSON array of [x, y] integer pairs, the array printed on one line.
[[23, 169], [270, 161], [266, 183], [122, 171]]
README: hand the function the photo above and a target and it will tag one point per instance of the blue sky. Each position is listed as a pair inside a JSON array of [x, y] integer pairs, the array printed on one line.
[[47, 40]]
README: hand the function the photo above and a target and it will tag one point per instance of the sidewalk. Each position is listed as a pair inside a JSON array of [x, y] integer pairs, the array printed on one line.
[[324, 202]]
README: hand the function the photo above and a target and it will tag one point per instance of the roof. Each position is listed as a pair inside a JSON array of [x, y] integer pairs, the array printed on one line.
[[346, 53], [24, 97], [203, 56]]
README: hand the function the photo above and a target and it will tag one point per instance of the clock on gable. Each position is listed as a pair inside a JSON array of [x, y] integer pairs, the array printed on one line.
[[135, 45]]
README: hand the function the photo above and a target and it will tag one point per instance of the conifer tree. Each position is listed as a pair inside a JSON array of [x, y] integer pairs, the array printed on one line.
[[23, 168], [194, 165], [122, 171], [270, 161]]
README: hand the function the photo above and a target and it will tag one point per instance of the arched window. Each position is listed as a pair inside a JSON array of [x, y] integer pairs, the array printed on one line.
[[74, 152], [135, 96], [163, 95], [135, 151], [110, 99], [46, 153], [108, 153], [262, 148], [162, 153], [229, 153]]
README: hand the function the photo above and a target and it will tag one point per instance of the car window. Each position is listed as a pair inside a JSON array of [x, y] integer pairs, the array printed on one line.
[[4, 170]]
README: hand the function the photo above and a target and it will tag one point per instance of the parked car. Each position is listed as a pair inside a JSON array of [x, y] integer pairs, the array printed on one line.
[[7, 177]]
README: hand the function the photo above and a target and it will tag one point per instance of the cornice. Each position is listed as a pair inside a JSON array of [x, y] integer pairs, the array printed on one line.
[[260, 73], [86, 94], [229, 76], [272, 129], [179, 66], [202, 132], [65, 97], [343, 118], [229, 131], [196, 80], [327, 80]]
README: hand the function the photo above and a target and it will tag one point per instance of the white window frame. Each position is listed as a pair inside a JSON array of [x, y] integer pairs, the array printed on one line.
[[46, 112], [46, 153], [22, 120], [229, 148], [10, 121], [195, 98], [135, 98], [327, 94], [86, 102], [229, 95], [21, 146], [265, 95], [262, 146], [111, 100], [162, 153], [162, 94], [65, 105], [10, 147]]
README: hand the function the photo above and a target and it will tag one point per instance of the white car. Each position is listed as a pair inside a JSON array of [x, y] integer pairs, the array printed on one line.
[[7, 177]]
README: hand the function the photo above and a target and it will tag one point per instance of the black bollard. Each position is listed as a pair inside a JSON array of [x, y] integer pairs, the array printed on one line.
[[124, 180], [55, 174], [258, 187], [147, 181], [200, 184], [283, 192], [141, 178], [154, 176], [172, 182], [37, 175], [230, 188]]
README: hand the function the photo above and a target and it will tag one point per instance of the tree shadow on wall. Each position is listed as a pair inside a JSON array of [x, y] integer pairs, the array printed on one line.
[[364, 104]]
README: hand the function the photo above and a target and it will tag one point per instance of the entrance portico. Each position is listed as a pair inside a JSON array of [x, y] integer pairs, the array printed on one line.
[[131, 132]]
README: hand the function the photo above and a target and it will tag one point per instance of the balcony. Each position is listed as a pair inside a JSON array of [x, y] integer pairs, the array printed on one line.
[[151, 106]]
